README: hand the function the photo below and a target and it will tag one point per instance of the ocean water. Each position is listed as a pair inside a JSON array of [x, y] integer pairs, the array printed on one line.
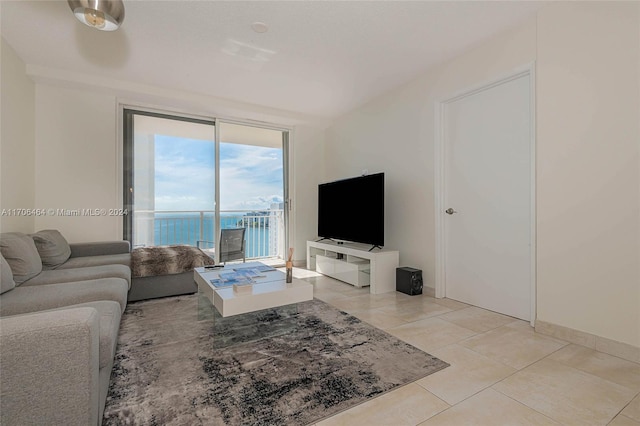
[[184, 228]]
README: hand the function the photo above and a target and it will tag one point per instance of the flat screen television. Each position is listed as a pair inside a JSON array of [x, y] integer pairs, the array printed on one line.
[[352, 210]]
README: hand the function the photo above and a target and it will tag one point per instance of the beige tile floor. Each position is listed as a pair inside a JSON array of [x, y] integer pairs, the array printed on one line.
[[501, 373]]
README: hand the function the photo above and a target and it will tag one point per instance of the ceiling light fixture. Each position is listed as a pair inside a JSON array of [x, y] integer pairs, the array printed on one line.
[[104, 15]]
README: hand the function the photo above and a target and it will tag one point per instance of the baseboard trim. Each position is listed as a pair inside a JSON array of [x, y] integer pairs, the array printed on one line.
[[601, 344], [429, 291]]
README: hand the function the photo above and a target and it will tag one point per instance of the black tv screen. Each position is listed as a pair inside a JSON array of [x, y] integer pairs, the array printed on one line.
[[352, 209]]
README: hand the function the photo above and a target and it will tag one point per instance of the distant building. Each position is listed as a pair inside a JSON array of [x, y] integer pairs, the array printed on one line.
[[276, 229]]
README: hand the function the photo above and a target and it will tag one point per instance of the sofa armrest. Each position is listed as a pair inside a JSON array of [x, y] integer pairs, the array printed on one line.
[[49, 363], [99, 248]]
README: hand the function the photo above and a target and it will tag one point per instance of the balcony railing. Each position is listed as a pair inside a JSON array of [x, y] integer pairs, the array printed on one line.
[[264, 229]]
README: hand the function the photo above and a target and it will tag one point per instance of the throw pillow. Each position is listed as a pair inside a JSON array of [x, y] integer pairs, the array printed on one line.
[[53, 248], [21, 254], [6, 276]]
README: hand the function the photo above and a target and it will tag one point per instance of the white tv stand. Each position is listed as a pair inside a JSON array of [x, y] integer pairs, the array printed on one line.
[[355, 264]]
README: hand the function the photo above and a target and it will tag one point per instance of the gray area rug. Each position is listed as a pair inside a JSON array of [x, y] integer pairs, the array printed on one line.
[[171, 370]]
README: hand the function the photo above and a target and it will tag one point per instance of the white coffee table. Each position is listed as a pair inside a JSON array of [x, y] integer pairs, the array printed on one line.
[[270, 291]]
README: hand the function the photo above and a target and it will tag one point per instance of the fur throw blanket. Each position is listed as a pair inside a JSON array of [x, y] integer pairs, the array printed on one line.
[[166, 260]]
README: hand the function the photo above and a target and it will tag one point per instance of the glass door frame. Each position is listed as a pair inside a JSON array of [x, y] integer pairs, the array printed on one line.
[[128, 113], [285, 171]]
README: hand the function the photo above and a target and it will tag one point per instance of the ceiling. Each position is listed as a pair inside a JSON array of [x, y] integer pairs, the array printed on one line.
[[321, 58]]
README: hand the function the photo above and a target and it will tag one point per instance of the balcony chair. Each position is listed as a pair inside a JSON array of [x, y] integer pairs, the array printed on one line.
[[232, 244]]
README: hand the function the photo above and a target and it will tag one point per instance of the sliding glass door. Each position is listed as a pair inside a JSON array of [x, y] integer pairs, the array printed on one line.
[[252, 186], [169, 179], [185, 179]]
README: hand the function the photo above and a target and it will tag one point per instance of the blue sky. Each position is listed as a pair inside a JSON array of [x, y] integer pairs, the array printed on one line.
[[250, 176]]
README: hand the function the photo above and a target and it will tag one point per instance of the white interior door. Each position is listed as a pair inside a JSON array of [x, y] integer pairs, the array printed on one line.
[[487, 182]]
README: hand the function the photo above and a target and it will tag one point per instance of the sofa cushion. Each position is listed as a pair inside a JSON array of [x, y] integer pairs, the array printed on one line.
[[22, 255], [27, 299], [56, 276], [6, 276], [53, 248], [108, 259]]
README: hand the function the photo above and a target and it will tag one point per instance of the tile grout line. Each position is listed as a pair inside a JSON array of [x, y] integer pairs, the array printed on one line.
[[568, 366], [524, 405], [476, 334]]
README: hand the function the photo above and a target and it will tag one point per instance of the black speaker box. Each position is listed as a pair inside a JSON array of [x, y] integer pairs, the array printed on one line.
[[409, 280]]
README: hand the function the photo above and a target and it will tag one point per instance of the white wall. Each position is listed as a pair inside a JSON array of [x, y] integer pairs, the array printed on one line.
[[588, 174], [75, 161], [16, 142], [78, 164], [587, 159], [395, 134], [307, 167]]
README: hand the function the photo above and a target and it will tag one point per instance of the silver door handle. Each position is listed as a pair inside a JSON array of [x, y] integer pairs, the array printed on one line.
[[450, 211]]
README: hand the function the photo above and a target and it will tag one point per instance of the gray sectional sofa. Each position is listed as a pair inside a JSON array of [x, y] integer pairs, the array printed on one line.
[[60, 310]]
